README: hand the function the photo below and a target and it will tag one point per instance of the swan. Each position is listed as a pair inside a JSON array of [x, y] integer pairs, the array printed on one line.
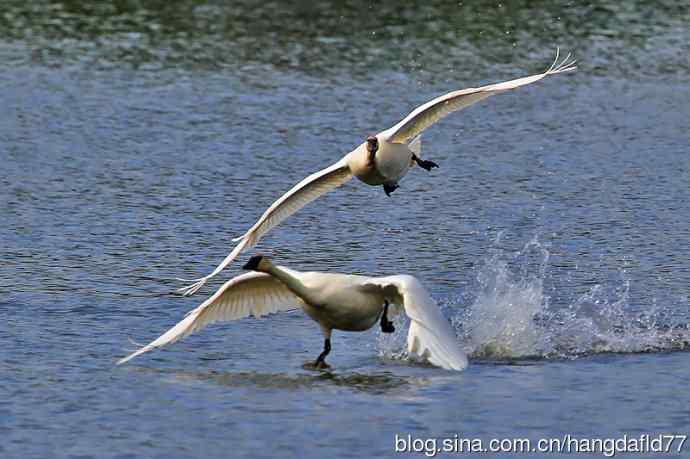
[[382, 159], [335, 301]]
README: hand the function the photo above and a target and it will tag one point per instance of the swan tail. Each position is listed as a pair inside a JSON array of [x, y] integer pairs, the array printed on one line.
[[198, 283]]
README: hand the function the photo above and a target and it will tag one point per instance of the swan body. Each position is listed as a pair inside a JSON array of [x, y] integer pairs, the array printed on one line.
[[383, 159], [335, 301], [390, 164]]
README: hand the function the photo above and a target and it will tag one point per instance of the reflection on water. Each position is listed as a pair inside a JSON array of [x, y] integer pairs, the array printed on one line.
[[374, 382], [350, 36]]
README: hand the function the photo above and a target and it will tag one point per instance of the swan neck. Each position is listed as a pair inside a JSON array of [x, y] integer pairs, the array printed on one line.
[[290, 278]]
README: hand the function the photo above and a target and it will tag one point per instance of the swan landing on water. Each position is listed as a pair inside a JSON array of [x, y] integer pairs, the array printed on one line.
[[335, 301], [381, 160]]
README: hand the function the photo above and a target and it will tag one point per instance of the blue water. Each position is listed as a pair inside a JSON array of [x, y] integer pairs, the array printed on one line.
[[135, 143]]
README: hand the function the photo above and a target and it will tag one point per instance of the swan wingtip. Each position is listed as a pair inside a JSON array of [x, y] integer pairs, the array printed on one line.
[[190, 290], [566, 64]]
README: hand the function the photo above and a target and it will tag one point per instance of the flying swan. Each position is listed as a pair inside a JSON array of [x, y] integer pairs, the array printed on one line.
[[382, 159], [335, 301]]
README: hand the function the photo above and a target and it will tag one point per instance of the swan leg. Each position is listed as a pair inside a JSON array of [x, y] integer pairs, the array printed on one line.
[[320, 362], [386, 325], [389, 188], [427, 165], [321, 359]]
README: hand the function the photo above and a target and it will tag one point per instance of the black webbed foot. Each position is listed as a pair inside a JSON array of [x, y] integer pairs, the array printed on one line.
[[424, 164], [311, 365], [320, 363], [386, 325], [389, 188], [427, 165]]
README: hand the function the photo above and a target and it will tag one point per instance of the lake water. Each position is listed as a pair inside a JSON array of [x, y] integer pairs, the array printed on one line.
[[136, 143]]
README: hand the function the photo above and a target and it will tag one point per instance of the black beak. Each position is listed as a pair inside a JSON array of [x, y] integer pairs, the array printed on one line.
[[372, 148], [253, 263]]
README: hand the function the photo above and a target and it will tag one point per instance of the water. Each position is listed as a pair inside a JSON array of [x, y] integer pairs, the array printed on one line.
[[135, 143]]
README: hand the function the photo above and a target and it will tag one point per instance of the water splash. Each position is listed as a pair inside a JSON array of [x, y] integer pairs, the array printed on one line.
[[507, 316], [511, 318], [500, 321]]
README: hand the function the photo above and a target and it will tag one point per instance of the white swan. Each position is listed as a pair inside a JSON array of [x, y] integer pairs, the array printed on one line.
[[381, 160], [335, 301]]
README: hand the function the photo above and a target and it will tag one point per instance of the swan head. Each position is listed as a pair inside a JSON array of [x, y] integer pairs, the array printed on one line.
[[372, 144], [372, 147], [257, 263]]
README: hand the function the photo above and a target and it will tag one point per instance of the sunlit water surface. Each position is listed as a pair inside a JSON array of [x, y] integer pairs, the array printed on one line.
[[555, 235]]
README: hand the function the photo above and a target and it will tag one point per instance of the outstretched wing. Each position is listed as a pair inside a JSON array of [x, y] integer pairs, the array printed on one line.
[[299, 196], [425, 115], [251, 294], [430, 335]]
